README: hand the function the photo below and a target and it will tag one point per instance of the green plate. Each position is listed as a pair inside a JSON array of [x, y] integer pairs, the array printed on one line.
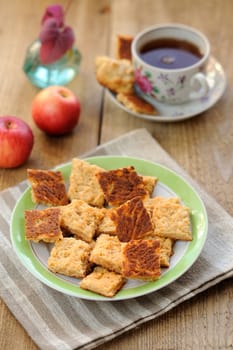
[[34, 255]]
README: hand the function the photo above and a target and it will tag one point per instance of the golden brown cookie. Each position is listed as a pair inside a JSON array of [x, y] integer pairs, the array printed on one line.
[[120, 185], [84, 184], [107, 253], [43, 225], [48, 187], [116, 75], [123, 46], [81, 219], [171, 219], [141, 260], [132, 220], [70, 257], [103, 282], [136, 104]]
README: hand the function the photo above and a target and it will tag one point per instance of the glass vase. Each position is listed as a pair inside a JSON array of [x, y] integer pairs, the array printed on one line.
[[61, 72]]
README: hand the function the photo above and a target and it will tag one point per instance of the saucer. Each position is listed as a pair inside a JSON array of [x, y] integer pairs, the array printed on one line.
[[172, 113]]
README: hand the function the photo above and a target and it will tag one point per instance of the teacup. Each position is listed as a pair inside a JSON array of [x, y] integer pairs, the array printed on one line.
[[169, 62]]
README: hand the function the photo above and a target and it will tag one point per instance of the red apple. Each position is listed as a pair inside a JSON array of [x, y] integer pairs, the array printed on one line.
[[56, 110], [16, 142]]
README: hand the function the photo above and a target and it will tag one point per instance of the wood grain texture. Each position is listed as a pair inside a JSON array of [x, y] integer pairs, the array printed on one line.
[[202, 145]]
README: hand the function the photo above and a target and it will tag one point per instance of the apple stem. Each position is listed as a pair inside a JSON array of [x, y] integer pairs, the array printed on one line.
[[8, 124], [63, 93]]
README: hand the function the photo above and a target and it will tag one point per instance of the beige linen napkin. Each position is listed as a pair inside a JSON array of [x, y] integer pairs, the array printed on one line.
[[61, 322]]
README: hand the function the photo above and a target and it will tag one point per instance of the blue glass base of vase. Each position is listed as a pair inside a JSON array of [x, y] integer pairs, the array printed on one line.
[[60, 72]]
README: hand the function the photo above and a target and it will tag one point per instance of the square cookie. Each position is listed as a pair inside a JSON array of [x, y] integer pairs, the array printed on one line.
[[141, 260], [103, 282], [107, 253], [81, 219], [171, 219], [48, 187], [132, 220], [121, 185], [43, 225], [70, 257], [84, 184]]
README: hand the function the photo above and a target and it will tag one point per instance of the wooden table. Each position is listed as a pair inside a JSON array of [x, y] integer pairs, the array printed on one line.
[[203, 145]]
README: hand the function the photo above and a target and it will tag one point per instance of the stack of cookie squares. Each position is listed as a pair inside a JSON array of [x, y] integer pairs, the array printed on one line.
[[104, 226], [118, 75]]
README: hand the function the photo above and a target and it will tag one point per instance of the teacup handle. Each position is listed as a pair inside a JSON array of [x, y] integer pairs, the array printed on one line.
[[200, 78]]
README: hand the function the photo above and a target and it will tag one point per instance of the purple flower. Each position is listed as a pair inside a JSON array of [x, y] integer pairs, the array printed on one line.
[[143, 82], [164, 78], [171, 92], [181, 80], [56, 38], [56, 12]]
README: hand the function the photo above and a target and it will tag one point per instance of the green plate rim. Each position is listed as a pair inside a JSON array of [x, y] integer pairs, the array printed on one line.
[[167, 177]]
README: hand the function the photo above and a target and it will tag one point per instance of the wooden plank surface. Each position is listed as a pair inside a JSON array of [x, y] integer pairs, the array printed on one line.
[[202, 145]]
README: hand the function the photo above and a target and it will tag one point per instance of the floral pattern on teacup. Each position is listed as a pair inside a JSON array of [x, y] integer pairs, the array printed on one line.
[[169, 88], [144, 82]]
